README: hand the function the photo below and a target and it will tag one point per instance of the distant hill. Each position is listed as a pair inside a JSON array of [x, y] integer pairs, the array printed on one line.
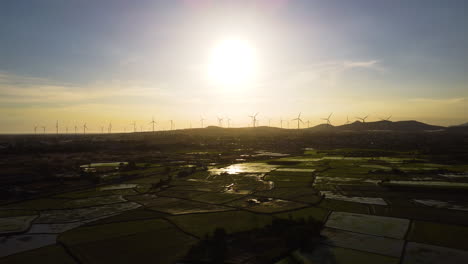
[[462, 128], [461, 125], [379, 126], [322, 127]]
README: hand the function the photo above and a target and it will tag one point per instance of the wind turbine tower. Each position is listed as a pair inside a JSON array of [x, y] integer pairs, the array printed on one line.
[[386, 119], [363, 119], [56, 127], [220, 121], [328, 119], [347, 120], [254, 119], [299, 121], [84, 128], [153, 123], [43, 129], [201, 121]]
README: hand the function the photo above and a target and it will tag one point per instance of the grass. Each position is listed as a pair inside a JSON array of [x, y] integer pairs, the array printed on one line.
[[14, 212], [163, 245], [275, 205], [88, 234], [343, 206], [337, 255], [315, 213], [180, 194], [40, 204], [424, 214], [180, 206], [290, 178], [287, 193], [202, 225], [132, 215], [50, 254], [216, 197], [94, 193], [444, 235], [289, 184]]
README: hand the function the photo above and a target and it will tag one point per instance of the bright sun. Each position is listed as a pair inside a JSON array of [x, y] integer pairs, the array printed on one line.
[[233, 62]]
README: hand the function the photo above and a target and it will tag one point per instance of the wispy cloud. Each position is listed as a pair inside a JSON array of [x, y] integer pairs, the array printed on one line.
[[448, 101], [325, 73], [25, 89]]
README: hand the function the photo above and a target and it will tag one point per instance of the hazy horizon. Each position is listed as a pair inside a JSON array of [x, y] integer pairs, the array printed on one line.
[[97, 62]]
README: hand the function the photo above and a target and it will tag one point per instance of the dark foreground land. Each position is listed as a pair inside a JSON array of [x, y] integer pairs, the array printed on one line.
[[217, 195]]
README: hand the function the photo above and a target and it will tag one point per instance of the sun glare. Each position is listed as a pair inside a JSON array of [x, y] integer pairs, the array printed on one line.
[[232, 63]]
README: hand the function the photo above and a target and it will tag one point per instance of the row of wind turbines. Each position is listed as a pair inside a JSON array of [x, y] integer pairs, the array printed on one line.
[[220, 120], [299, 120]]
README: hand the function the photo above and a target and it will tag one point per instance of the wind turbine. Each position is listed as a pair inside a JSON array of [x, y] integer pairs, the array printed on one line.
[[229, 122], [299, 120], [281, 122], [43, 128], [328, 119], [220, 121], [84, 128], [385, 119], [76, 128], [172, 124], [254, 119], [56, 127], [35, 129], [134, 126], [201, 121], [347, 120], [363, 119], [308, 123], [109, 128], [153, 122]]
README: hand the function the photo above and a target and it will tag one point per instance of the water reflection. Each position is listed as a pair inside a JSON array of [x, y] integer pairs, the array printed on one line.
[[244, 168]]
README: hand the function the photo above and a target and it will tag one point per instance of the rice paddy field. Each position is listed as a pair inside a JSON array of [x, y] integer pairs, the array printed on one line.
[[400, 207]]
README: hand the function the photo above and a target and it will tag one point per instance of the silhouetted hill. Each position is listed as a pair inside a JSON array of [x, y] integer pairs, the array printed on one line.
[[389, 125], [322, 127], [461, 125], [462, 128], [216, 130], [379, 126]]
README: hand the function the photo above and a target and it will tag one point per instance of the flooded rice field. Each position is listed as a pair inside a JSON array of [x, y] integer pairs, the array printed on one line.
[[371, 208]]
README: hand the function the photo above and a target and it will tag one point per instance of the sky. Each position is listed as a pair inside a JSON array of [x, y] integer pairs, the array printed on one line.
[[102, 61]]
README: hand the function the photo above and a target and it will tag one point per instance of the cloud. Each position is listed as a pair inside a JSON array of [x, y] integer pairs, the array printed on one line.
[[371, 64], [439, 101], [325, 74], [16, 89]]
